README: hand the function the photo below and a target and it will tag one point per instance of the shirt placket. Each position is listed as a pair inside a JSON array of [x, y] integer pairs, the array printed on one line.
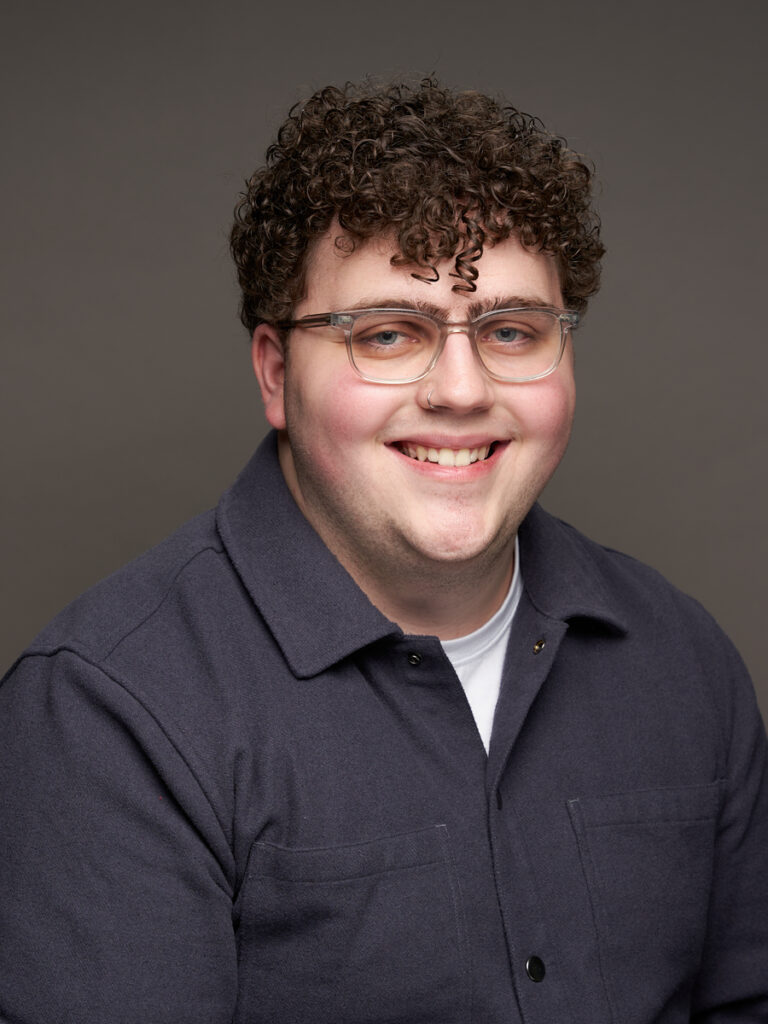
[[532, 949]]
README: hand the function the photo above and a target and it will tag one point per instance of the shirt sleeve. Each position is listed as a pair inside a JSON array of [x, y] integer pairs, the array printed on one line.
[[115, 876], [732, 986]]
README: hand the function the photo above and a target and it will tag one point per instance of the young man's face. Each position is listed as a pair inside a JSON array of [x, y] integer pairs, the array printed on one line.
[[343, 439]]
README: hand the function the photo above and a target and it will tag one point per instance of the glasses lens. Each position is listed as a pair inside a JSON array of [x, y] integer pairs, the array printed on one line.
[[519, 344], [393, 346]]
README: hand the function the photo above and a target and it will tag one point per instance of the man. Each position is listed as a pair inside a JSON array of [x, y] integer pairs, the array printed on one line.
[[380, 740]]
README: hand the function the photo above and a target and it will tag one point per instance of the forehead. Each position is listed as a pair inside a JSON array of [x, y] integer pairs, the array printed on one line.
[[337, 279]]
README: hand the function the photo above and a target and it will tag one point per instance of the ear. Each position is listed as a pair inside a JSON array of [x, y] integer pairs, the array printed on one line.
[[268, 357]]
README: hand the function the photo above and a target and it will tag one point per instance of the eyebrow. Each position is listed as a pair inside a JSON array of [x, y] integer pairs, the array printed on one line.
[[474, 310]]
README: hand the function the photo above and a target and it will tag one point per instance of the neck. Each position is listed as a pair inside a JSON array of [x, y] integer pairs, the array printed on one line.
[[449, 602], [443, 599]]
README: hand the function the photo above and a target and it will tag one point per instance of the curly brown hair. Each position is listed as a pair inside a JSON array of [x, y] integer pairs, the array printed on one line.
[[444, 172]]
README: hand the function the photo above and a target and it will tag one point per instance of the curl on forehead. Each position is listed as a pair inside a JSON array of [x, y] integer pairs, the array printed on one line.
[[441, 173], [343, 273]]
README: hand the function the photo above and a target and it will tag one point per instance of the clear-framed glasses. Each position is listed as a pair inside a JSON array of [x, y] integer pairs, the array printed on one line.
[[399, 346]]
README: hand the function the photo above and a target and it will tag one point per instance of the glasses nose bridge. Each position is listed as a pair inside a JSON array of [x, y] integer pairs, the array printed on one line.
[[457, 327], [465, 327]]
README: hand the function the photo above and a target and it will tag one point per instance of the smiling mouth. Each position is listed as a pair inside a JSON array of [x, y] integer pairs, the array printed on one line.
[[447, 456]]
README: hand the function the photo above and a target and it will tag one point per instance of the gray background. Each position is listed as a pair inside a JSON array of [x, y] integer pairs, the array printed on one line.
[[126, 394]]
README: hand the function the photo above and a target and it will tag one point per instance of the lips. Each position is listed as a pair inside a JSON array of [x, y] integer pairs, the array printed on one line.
[[446, 456]]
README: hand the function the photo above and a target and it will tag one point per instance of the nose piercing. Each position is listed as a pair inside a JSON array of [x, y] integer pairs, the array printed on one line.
[[429, 396]]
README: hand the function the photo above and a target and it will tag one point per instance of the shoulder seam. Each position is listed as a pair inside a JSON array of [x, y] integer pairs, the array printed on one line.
[[161, 599], [126, 689]]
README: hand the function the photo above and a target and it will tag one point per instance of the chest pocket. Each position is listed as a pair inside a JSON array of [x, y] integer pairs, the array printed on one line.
[[365, 933], [648, 859]]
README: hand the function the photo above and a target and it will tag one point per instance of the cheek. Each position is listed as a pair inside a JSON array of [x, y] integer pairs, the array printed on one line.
[[334, 415], [547, 414]]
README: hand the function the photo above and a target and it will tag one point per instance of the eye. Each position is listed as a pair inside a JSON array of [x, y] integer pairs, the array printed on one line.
[[385, 338], [518, 332], [388, 337], [507, 333]]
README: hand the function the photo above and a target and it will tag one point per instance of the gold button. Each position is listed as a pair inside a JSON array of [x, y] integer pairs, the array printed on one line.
[[539, 646]]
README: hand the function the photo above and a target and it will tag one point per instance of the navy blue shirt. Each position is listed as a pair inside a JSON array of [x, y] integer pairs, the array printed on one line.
[[232, 790]]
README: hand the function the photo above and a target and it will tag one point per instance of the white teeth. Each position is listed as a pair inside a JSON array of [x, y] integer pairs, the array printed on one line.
[[447, 456]]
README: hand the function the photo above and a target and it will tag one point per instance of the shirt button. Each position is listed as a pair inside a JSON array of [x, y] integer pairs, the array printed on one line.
[[414, 658], [539, 646], [535, 969]]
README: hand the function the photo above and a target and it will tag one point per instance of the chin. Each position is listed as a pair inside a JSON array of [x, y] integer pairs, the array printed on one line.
[[454, 549]]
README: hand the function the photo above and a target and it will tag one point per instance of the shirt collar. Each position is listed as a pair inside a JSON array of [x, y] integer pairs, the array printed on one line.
[[317, 613], [566, 575], [312, 606]]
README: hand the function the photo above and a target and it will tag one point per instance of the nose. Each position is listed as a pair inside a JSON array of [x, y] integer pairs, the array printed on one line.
[[458, 381]]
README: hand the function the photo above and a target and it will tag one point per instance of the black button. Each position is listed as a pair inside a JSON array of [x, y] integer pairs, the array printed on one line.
[[535, 969], [539, 646], [414, 658]]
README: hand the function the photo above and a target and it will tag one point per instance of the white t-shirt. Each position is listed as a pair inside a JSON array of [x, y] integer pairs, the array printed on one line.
[[478, 658]]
